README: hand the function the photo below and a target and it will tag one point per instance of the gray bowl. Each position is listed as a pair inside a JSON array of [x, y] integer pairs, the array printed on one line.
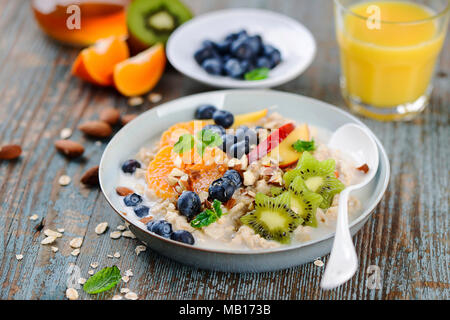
[[152, 123]]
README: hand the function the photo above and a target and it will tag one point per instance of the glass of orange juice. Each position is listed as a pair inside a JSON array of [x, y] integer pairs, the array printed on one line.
[[388, 52]]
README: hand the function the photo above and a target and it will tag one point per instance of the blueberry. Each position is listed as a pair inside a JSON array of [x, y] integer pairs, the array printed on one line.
[[241, 48], [213, 66], [264, 62], [204, 53], [273, 54], [160, 227], [130, 166], [228, 141], [268, 50], [275, 58], [240, 133], [236, 35], [246, 66], [221, 189], [182, 236], [189, 204], [215, 128], [256, 44], [204, 111], [239, 149], [208, 44], [252, 137], [223, 47], [233, 68], [141, 210], [132, 200], [234, 177], [223, 118]]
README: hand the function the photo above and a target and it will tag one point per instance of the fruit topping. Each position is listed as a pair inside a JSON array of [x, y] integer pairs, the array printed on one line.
[[141, 210], [223, 118], [130, 166], [132, 200], [304, 202], [182, 236], [221, 189], [160, 227], [234, 177], [189, 204], [204, 111]]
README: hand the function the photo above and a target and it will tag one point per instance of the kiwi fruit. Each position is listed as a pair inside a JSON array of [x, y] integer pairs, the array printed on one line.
[[152, 21], [276, 191], [304, 202], [272, 219], [318, 177]]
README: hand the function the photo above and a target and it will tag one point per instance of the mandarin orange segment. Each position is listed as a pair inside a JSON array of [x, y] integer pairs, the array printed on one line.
[[96, 63], [202, 180], [158, 171], [141, 73]]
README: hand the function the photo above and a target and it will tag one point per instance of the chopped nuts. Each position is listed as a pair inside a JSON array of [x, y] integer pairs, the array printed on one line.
[[76, 243], [101, 228], [72, 294], [64, 180], [249, 178], [115, 235]]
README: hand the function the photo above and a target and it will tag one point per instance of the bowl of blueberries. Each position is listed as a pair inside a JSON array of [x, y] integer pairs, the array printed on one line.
[[241, 48]]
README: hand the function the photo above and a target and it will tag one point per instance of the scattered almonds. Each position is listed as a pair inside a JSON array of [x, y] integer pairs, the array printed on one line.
[[90, 177], [72, 294], [131, 296], [127, 118], [75, 252], [115, 235], [69, 148], [10, 152], [110, 116], [76, 242], [135, 101], [19, 257], [128, 234], [101, 228], [64, 180], [34, 217], [154, 97], [97, 129], [123, 191], [364, 168], [65, 133]]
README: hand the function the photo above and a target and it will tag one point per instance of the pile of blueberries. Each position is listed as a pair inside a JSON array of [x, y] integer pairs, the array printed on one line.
[[234, 145], [236, 55]]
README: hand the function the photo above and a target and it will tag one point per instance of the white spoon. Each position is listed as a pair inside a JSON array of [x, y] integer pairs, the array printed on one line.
[[357, 142]]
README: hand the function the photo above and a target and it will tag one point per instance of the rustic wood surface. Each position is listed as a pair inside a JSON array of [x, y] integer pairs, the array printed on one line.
[[407, 237]]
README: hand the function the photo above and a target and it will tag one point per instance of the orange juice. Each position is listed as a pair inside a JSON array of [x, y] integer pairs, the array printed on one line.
[[390, 64]]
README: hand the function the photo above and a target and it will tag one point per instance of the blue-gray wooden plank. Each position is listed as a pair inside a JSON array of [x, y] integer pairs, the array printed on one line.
[[407, 236]]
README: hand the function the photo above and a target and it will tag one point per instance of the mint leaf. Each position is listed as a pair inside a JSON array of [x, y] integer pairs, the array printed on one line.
[[257, 74], [301, 145], [217, 208], [184, 143], [103, 280], [207, 138], [204, 219]]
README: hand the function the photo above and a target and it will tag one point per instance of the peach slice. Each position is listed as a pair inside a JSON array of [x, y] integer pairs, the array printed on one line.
[[141, 73], [96, 63], [251, 117], [284, 153]]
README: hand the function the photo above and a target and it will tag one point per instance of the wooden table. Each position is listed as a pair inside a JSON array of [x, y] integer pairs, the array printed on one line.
[[407, 237]]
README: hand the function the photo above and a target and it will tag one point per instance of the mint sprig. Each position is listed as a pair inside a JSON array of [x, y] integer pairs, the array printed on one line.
[[257, 74], [208, 216], [301, 145], [103, 280], [208, 138], [184, 143]]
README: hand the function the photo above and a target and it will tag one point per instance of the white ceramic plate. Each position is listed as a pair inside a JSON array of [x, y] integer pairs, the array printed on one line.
[[295, 42], [149, 126]]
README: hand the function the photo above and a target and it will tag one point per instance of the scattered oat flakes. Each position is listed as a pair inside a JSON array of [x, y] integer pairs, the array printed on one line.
[[72, 294], [129, 273], [117, 255], [121, 227], [64, 180], [115, 235], [65, 133], [55, 249], [135, 101], [128, 234], [19, 257], [101, 227], [94, 265], [34, 217], [76, 242], [48, 240], [318, 263], [91, 272], [154, 97], [75, 252], [131, 296], [125, 279], [61, 230], [109, 256], [139, 249], [124, 290], [51, 233], [117, 297], [82, 281]]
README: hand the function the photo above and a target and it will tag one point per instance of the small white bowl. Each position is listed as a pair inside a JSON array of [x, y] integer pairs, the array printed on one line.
[[295, 42]]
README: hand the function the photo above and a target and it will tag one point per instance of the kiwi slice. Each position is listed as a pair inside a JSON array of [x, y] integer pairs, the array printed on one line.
[[276, 191], [152, 21], [272, 219], [318, 177], [304, 202]]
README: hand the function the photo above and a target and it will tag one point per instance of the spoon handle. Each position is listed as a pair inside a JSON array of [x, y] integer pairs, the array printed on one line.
[[343, 262]]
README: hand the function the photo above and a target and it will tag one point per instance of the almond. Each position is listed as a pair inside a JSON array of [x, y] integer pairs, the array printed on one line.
[[97, 129], [10, 151], [110, 116], [127, 118], [90, 177], [124, 191], [69, 148]]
